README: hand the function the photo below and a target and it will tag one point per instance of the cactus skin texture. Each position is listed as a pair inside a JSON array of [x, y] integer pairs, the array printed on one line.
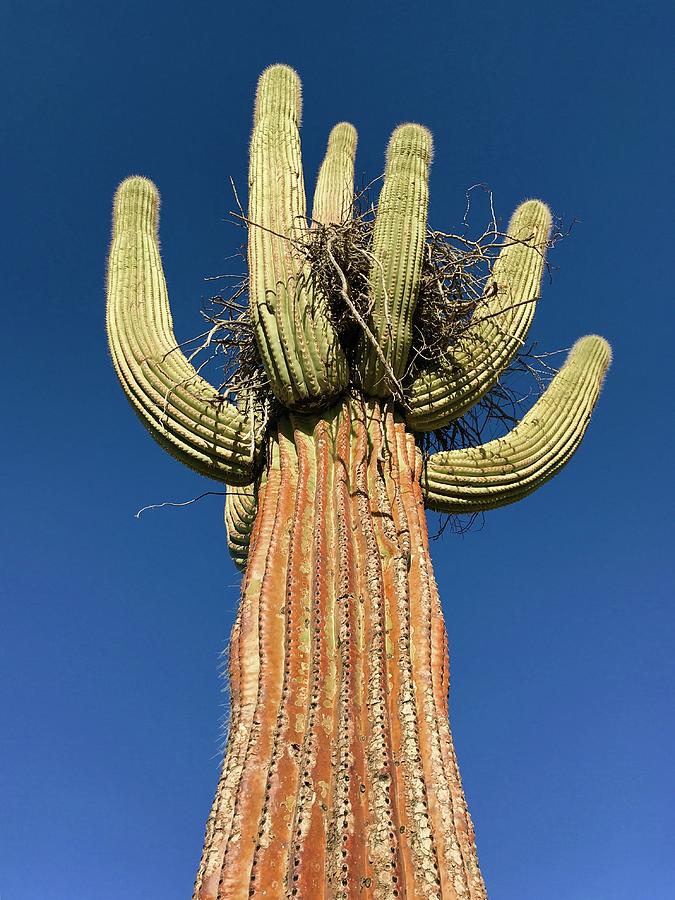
[[340, 778]]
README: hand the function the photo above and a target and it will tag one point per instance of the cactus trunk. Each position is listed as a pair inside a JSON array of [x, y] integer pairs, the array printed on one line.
[[340, 778]]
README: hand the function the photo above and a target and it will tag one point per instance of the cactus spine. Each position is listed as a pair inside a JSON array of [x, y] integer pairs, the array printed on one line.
[[340, 778]]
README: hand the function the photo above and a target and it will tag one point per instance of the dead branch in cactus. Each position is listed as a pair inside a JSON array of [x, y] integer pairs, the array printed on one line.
[[455, 285]]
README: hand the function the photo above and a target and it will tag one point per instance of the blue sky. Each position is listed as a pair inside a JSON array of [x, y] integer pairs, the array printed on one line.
[[559, 609]]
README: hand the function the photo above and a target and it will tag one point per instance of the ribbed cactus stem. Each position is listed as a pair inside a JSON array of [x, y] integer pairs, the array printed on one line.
[[304, 361], [340, 778], [509, 468], [241, 507], [181, 410], [398, 247], [334, 194], [455, 382]]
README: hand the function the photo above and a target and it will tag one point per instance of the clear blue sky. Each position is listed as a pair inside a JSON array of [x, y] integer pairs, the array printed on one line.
[[559, 609]]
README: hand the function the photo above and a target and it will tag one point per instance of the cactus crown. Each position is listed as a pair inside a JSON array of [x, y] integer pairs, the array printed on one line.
[[452, 293], [339, 302]]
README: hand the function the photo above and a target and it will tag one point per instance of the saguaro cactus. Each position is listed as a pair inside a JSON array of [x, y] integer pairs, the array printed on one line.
[[340, 778]]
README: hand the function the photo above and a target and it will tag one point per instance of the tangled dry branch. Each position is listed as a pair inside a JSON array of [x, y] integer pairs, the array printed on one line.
[[454, 289]]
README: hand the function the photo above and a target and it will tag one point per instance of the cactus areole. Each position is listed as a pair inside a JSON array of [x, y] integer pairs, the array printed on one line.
[[340, 778]]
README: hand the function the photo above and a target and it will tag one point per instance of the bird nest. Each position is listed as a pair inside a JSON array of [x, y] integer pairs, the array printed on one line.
[[454, 289]]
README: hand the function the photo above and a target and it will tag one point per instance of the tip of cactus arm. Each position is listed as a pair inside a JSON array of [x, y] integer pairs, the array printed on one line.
[[533, 211], [136, 201], [595, 345], [279, 88], [278, 70], [137, 185], [534, 202], [411, 138], [343, 135]]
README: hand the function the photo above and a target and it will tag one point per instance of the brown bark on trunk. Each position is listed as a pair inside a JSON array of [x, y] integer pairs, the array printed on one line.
[[340, 778]]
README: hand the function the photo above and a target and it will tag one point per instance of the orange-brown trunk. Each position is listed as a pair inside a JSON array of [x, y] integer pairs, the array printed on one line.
[[340, 778]]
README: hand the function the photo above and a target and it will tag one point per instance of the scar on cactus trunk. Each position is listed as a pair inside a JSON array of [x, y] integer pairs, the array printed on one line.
[[340, 778]]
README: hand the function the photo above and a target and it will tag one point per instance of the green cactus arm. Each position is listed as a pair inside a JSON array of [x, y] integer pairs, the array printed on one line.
[[334, 193], [241, 501], [180, 409], [297, 342], [449, 387], [241, 508], [398, 248], [505, 470]]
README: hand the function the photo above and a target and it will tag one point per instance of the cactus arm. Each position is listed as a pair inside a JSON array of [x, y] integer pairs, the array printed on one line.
[[297, 342], [447, 389], [334, 194], [241, 508], [398, 246], [508, 469], [241, 502], [181, 410]]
